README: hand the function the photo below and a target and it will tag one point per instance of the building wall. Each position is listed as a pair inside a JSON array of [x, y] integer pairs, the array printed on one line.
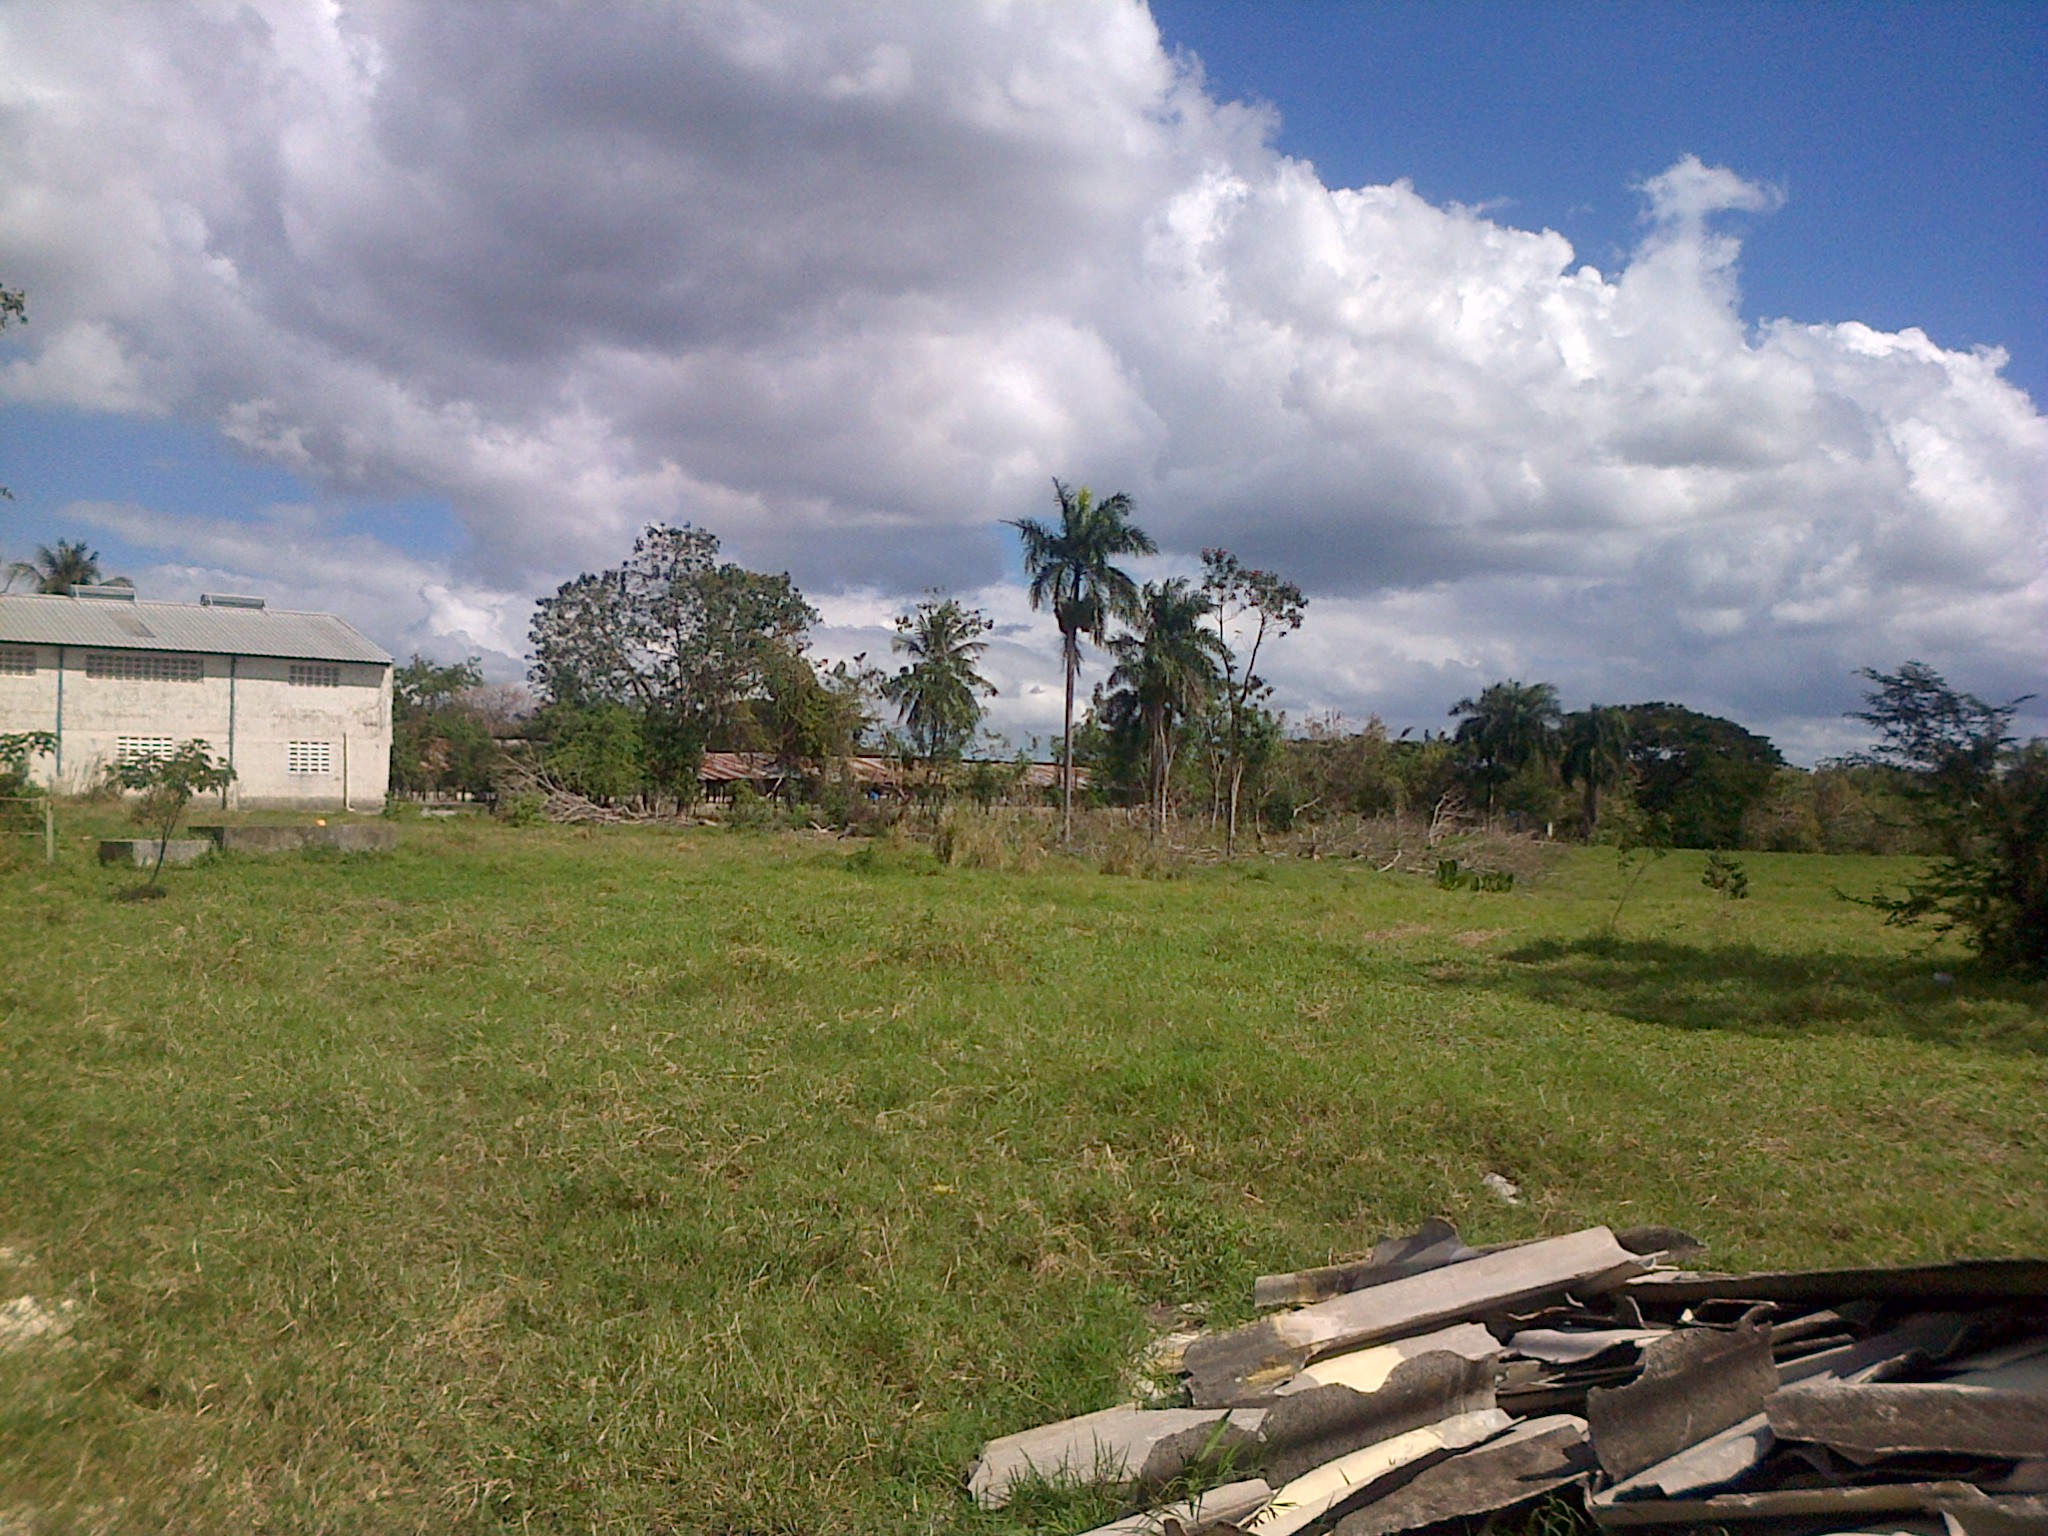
[[313, 735]]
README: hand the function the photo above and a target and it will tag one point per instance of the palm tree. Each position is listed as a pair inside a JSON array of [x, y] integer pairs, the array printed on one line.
[[60, 569], [1169, 665], [1596, 743], [938, 696], [1507, 727], [1071, 572]]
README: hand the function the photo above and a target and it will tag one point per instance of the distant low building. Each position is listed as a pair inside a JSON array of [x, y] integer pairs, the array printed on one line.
[[298, 703], [765, 773]]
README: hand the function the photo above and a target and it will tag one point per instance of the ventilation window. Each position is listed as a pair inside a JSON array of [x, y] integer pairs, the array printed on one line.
[[308, 674], [309, 757], [143, 749], [142, 667], [17, 661]]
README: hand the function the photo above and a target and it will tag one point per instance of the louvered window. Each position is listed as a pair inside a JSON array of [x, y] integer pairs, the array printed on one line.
[[142, 666], [142, 749], [309, 757]]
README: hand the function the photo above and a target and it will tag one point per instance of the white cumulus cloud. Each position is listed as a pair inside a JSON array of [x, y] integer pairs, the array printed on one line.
[[851, 284]]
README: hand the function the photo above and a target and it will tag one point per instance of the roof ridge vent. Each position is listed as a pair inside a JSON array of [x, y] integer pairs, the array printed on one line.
[[106, 591], [228, 600]]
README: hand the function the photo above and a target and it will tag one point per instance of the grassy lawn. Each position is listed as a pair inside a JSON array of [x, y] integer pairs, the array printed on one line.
[[645, 1180]]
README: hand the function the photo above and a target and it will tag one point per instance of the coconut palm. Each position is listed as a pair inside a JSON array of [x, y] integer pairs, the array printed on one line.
[[1071, 570], [1507, 727], [938, 696], [1168, 666], [59, 569], [1595, 756]]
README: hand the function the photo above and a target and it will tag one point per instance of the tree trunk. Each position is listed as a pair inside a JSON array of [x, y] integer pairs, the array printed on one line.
[[1073, 659]]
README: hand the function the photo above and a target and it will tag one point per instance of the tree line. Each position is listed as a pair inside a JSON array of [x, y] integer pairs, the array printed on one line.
[[639, 670]]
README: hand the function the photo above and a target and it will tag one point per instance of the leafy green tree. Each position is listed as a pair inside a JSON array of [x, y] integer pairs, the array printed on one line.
[[811, 719], [595, 749], [1595, 756], [1245, 598], [1696, 777], [1168, 666], [684, 641], [1071, 568], [1509, 726], [938, 696], [166, 786], [57, 568], [1985, 800], [441, 739]]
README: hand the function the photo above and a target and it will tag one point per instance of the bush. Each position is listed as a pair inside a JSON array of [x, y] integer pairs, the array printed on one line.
[[523, 808], [1983, 800]]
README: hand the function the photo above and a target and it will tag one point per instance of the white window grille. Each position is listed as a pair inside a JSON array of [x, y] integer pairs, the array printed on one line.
[[309, 757], [142, 749], [313, 674], [142, 666], [17, 661]]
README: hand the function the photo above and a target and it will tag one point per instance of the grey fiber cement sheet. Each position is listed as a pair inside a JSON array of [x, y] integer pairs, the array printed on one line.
[[1694, 1384], [1217, 1510], [1973, 1507], [1243, 1364], [1720, 1459], [1964, 1280], [1536, 1457], [1866, 1420], [1123, 1447]]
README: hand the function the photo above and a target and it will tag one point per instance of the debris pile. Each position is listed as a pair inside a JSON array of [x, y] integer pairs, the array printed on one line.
[[1434, 1382]]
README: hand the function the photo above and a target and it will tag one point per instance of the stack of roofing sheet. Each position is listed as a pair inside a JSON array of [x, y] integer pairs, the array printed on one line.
[[1434, 1383]]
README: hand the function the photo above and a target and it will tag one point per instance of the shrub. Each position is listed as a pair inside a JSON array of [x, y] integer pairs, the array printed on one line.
[[1984, 800]]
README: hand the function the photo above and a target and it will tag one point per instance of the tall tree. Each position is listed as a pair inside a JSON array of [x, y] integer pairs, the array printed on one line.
[[58, 568], [1072, 571], [1595, 757], [1168, 666], [938, 696], [1509, 726], [1256, 605], [1696, 776], [1986, 801], [13, 311], [683, 640]]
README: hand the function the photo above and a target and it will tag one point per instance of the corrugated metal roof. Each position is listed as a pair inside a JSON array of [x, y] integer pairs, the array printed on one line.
[[766, 767], [114, 625]]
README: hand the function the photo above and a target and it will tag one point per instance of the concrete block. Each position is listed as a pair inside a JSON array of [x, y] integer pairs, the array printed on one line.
[[141, 851], [349, 837]]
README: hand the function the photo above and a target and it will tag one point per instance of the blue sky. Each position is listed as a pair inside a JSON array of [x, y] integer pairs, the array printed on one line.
[[1909, 139], [412, 312]]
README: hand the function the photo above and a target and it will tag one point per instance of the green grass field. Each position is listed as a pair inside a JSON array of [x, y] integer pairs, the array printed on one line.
[[648, 1180]]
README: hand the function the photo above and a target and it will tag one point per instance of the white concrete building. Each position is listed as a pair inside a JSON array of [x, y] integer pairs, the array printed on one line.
[[298, 703]]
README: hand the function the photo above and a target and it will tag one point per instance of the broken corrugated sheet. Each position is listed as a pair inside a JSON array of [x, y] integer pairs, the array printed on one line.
[[2004, 1512], [1694, 1383], [1217, 1510], [1118, 1447], [1306, 1429], [1781, 1404], [1330, 1487], [1536, 1457], [1366, 1370], [1868, 1420], [1964, 1280], [1431, 1246], [1246, 1363]]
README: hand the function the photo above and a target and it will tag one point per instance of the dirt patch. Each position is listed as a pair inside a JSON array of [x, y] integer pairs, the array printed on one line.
[[25, 1321]]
